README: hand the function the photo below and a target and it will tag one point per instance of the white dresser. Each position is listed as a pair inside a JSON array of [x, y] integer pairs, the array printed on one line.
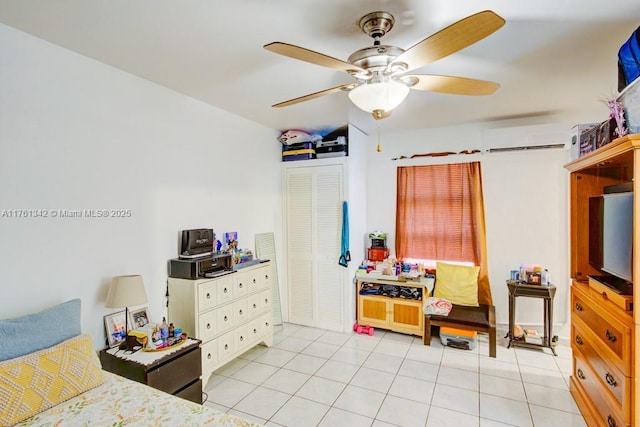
[[230, 314]]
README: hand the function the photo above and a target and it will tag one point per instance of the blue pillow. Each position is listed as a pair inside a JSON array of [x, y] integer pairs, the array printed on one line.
[[33, 332]]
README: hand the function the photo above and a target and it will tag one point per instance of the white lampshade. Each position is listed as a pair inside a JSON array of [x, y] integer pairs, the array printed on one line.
[[384, 96], [126, 291]]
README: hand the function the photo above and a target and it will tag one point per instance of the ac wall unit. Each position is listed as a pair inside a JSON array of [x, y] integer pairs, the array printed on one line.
[[521, 138]]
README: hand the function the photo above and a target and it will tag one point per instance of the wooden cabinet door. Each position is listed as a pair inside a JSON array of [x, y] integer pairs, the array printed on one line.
[[406, 316], [372, 311]]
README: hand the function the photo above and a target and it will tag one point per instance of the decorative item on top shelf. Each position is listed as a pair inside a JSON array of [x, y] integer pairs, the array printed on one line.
[[607, 132], [588, 141], [616, 113], [578, 135]]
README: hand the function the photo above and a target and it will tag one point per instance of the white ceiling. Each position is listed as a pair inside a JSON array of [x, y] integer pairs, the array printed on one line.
[[551, 56]]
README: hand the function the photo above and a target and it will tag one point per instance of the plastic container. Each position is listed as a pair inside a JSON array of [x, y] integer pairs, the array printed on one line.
[[630, 99], [458, 338]]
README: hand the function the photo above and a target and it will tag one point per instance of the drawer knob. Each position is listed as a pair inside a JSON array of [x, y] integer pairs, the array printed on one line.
[[240, 285], [578, 306], [208, 295], [266, 324], [255, 305], [266, 300], [225, 290], [611, 421], [208, 325], [241, 338], [266, 277], [254, 281], [610, 380], [226, 318], [579, 340], [611, 336], [604, 295], [226, 346], [255, 331], [580, 374], [240, 311], [209, 356]]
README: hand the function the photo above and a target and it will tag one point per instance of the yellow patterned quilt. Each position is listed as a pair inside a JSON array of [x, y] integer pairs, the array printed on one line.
[[122, 402]]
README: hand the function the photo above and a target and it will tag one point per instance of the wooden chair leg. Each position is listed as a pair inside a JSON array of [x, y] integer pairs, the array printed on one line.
[[492, 331], [426, 337], [492, 342]]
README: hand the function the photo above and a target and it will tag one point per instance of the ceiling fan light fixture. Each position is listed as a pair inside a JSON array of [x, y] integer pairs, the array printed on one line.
[[384, 96]]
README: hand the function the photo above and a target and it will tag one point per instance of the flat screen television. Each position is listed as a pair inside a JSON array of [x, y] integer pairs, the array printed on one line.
[[611, 234]]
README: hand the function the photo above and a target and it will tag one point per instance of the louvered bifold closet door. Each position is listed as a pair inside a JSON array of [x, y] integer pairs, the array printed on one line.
[[314, 220]]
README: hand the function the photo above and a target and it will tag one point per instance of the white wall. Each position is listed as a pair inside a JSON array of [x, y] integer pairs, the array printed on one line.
[[77, 134], [526, 202]]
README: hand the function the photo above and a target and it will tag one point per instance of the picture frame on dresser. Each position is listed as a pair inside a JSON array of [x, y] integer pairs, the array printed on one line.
[[114, 324], [138, 317]]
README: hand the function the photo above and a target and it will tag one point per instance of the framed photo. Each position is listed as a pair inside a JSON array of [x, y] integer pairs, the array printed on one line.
[[138, 317], [231, 240], [115, 324]]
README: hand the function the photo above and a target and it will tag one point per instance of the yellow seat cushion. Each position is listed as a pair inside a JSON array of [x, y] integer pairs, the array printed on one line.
[[457, 284], [37, 381]]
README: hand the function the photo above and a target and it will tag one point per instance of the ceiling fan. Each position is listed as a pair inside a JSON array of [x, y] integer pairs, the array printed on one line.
[[382, 71]]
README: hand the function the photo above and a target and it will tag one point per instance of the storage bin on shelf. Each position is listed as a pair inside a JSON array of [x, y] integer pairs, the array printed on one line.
[[630, 99]]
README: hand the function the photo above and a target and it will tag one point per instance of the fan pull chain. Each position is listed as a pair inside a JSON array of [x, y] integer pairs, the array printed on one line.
[[379, 147]]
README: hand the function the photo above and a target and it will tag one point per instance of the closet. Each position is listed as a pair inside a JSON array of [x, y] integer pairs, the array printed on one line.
[[314, 196]]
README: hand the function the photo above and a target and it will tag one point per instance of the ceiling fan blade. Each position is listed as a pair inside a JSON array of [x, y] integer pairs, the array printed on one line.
[[453, 85], [303, 54], [451, 39], [314, 95]]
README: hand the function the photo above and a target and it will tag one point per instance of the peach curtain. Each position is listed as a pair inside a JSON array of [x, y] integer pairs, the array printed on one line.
[[440, 216]]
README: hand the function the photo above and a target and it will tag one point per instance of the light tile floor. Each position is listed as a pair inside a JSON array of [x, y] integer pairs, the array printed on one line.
[[314, 377]]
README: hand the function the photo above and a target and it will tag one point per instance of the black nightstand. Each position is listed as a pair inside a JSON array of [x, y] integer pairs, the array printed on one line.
[[177, 372]]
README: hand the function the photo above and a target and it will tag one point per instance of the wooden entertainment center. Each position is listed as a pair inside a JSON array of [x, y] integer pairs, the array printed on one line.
[[604, 321]]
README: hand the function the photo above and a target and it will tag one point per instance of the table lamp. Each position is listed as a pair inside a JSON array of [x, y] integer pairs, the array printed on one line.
[[126, 291]]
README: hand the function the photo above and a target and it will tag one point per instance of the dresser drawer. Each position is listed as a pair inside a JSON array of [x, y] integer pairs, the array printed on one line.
[[602, 294], [207, 295], [610, 377], [209, 356], [225, 289], [226, 346], [259, 279], [173, 376], [611, 332], [225, 318], [254, 304], [208, 325], [240, 311], [240, 285], [265, 300], [587, 379], [241, 338]]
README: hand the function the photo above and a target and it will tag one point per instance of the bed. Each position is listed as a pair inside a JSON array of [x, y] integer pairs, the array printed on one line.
[[50, 375]]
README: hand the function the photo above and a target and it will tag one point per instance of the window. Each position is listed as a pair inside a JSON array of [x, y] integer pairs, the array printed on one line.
[[440, 216]]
